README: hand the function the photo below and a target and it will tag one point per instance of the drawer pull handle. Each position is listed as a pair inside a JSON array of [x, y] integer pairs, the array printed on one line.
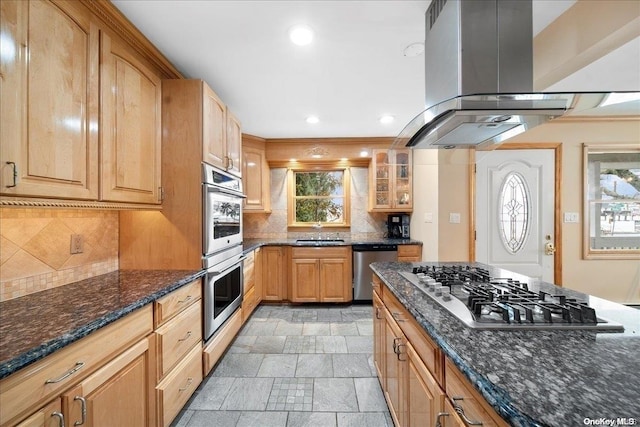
[[399, 352], [15, 174], [378, 313], [60, 418], [187, 299], [189, 381], [83, 402], [186, 337], [460, 412], [440, 415], [70, 372], [396, 344], [396, 315]]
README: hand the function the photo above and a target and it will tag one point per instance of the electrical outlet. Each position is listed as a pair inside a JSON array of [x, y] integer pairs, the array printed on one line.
[[454, 218], [76, 243], [428, 217]]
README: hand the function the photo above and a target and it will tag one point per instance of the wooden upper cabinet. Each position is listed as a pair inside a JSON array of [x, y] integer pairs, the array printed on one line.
[[391, 181], [130, 125], [234, 145], [214, 133], [256, 176], [48, 100]]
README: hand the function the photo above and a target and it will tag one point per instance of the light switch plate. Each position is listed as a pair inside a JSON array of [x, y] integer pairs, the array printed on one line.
[[571, 217], [454, 218], [428, 217]]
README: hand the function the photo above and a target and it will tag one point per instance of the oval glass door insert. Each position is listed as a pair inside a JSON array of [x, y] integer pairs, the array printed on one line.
[[513, 212]]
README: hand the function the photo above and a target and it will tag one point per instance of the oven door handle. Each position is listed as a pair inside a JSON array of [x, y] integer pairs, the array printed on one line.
[[225, 269], [226, 191]]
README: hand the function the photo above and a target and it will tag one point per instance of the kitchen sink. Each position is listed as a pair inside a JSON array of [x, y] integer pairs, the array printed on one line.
[[319, 240]]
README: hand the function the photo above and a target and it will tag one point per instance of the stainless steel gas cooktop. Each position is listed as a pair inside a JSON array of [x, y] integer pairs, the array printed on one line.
[[482, 301]]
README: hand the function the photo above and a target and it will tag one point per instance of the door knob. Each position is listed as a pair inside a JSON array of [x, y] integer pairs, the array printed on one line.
[[549, 248]]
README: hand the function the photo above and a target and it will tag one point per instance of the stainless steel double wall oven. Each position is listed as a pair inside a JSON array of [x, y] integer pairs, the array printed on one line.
[[222, 246]]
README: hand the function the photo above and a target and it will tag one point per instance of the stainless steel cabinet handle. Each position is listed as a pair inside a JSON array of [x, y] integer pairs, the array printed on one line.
[[83, 402], [396, 345], [70, 372], [15, 173], [460, 412], [399, 352], [189, 381], [440, 415], [60, 418], [186, 337], [378, 313], [188, 298], [396, 315]]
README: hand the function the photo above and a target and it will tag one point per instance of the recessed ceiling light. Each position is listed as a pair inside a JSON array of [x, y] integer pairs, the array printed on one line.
[[313, 119], [364, 153], [414, 49], [386, 119], [301, 35]]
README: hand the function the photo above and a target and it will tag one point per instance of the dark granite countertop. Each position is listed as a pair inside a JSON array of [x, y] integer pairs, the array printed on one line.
[[36, 325], [537, 378], [251, 244]]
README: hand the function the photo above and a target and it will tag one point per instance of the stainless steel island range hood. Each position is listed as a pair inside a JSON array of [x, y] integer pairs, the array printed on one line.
[[479, 76]]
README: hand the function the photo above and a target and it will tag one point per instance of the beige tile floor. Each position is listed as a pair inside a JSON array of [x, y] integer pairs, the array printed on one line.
[[293, 367]]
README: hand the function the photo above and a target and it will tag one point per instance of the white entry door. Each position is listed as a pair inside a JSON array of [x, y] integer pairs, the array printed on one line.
[[515, 197]]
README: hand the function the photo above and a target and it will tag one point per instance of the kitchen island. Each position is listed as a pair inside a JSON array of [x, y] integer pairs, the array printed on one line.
[[536, 377]]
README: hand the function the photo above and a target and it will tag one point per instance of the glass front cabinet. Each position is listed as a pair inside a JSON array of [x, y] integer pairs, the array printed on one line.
[[390, 181]]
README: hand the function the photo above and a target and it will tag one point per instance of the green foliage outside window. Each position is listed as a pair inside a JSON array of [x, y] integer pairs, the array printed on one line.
[[319, 197]]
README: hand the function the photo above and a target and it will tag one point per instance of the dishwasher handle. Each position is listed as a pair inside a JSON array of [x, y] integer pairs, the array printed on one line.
[[375, 248]]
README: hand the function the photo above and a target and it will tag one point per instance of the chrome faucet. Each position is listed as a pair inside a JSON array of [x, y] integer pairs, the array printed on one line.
[[318, 228]]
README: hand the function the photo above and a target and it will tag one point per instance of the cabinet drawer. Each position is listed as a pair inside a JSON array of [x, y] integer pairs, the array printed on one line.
[[409, 250], [173, 303], [471, 403], [325, 252], [179, 385], [429, 352], [176, 337], [28, 387]]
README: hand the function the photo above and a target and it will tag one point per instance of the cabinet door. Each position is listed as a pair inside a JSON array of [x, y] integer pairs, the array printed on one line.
[[234, 145], [274, 275], [255, 178], [395, 364], [49, 416], [335, 280], [48, 100], [381, 181], [258, 275], [304, 280], [378, 338], [118, 394], [402, 194], [214, 127], [130, 125], [424, 396]]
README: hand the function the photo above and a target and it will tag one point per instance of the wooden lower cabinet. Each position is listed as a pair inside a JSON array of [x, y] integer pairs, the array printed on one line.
[[378, 338], [178, 386], [321, 274], [274, 273], [421, 386], [425, 399], [395, 370], [116, 394], [409, 253], [252, 281], [49, 416]]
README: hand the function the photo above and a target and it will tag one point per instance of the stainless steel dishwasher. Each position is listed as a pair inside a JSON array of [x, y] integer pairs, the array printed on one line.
[[363, 255]]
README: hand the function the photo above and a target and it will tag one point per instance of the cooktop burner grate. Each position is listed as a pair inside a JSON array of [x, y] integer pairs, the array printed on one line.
[[485, 302]]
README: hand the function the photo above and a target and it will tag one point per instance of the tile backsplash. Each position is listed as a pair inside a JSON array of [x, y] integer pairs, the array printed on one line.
[[35, 248], [274, 225]]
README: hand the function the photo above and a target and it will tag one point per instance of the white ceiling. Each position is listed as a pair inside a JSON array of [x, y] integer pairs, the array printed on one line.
[[353, 73]]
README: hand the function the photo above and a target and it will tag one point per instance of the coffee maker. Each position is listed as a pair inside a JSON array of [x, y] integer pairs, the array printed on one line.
[[398, 226]]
